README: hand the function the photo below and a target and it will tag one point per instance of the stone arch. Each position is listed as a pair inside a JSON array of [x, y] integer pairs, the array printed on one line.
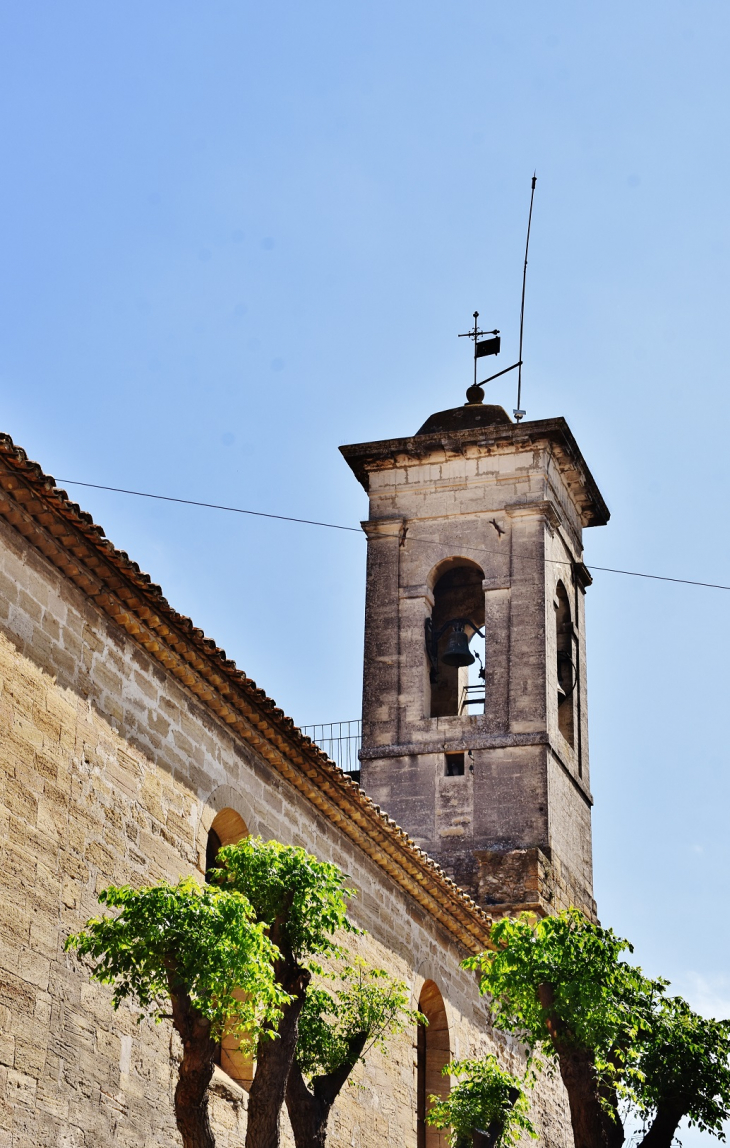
[[224, 798], [451, 563], [433, 1052], [458, 594]]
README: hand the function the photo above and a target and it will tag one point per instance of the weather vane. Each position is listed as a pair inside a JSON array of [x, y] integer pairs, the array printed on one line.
[[483, 346]]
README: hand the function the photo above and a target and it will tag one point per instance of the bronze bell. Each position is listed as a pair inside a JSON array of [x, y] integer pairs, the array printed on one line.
[[457, 652]]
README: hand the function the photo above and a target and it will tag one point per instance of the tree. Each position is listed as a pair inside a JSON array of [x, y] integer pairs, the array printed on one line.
[[336, 1030], [187, 949], [685, 1073], [559, 984], [302, 902], [487, 1108]]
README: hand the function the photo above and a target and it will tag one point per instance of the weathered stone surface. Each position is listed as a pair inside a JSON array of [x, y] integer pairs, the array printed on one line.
[[503, 507], [111, 770]]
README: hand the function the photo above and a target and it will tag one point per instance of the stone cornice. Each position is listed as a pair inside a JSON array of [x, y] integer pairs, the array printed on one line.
[[72, 542], [367, 456], [545, 508], [455, 744]]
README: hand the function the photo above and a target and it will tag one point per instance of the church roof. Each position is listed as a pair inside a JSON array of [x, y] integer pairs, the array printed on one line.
[[70, 539]]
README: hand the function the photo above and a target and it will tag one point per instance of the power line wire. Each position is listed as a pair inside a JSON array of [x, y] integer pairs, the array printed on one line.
[[358, 530], [212, 505]]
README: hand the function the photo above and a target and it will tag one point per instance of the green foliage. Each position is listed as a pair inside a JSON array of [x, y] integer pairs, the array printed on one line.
[[559, 984], [367, 1004], [562, 975], [169, 939], [290, 890], [685, 1061], [485, 1093]]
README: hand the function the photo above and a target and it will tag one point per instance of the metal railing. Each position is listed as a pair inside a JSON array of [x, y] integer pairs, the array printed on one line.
[[472, 696], [341, 741]]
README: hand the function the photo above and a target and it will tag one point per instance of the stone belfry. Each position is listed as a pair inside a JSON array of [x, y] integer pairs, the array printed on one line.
[[475, 556]]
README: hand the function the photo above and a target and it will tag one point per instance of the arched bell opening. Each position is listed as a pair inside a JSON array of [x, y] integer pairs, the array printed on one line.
[[566, 668], [227, 829], [433, 1053], [455, 640]]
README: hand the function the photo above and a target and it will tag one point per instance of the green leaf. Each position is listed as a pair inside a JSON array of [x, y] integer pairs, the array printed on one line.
[[203, 941], [685, 1063], [484, 1093], [564, 970], [365, 1005], [290, 889], [559, 984]]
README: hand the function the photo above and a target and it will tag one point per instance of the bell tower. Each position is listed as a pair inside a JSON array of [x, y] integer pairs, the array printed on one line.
[[475, 729]]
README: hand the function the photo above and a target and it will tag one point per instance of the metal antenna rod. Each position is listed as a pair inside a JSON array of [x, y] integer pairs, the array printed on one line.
[[519, 413], [476, 329]]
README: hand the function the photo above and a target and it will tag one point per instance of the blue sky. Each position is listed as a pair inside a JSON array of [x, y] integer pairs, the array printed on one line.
[[238, 235]]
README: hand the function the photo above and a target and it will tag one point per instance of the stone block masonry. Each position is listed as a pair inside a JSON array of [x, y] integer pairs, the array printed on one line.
[[113, 766], [475, 527]]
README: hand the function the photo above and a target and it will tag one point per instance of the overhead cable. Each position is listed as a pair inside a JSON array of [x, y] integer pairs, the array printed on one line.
[[358, 530]]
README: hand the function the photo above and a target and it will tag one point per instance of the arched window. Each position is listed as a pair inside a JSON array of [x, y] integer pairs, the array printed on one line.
[[229, 827], [458, 613], [566, 664], [433, 1052]]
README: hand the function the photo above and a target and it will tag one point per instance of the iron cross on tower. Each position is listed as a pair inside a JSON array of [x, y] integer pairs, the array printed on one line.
[[482, 345]]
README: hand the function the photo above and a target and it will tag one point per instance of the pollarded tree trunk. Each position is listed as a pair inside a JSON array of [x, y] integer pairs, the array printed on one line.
[[194, 1074], [307, 1116], [593, 1126], [664, 1126], [273, 1062], [489, 1138], [482, 1139], [309, 1109]]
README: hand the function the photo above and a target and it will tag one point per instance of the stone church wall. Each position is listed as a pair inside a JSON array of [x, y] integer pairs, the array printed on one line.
[[112, 772]]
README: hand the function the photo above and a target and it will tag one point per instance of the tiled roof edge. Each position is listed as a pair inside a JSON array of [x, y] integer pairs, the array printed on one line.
[[72, 541]]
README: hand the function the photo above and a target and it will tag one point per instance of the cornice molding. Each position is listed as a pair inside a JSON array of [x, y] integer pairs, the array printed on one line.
[[368, 456]]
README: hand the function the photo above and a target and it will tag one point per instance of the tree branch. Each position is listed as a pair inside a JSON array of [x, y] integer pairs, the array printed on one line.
[[664, 1125], [328, 1087]]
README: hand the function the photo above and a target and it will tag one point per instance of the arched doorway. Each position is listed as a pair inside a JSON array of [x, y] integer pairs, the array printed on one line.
[[228, 828], [433, 1052]]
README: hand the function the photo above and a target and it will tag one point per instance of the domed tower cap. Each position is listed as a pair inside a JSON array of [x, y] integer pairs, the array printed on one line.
[[473, 414]]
